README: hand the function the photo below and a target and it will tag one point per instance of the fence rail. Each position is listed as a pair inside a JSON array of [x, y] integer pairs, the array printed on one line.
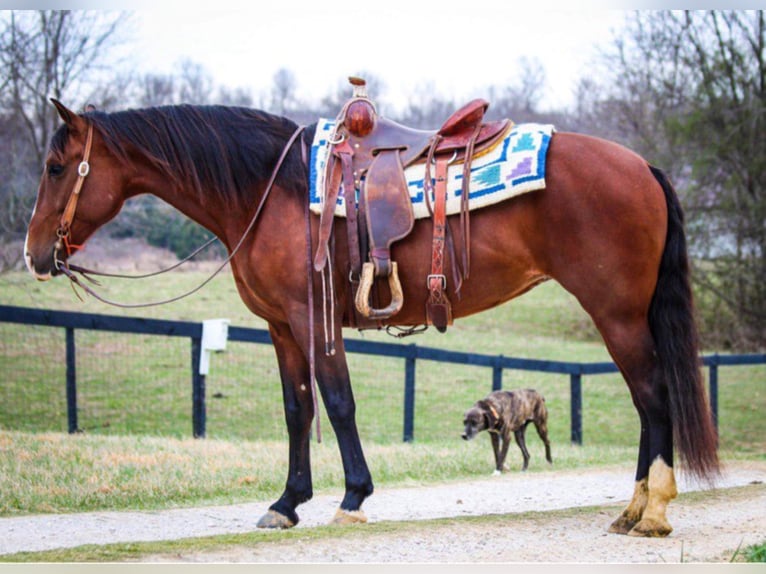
[[70, 321]]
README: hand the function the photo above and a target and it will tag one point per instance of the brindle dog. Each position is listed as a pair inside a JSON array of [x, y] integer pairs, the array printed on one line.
[[505, 412]]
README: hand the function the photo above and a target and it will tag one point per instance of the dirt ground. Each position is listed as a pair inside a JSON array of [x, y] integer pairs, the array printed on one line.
[[704, 532], [539, 522]]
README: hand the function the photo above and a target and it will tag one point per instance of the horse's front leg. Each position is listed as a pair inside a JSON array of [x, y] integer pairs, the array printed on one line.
[[299, 411], [335, 386]]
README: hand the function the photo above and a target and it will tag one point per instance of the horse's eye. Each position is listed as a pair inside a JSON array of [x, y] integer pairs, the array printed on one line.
[[55, 169]]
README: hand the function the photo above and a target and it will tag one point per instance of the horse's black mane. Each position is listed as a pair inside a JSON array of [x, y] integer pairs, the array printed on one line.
[[212, 149]]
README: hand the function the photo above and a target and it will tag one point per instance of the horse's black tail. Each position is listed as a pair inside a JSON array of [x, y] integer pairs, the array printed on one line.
[[671, 320]]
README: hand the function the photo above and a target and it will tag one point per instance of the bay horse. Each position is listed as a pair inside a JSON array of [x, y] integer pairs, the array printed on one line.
[[608, 227]]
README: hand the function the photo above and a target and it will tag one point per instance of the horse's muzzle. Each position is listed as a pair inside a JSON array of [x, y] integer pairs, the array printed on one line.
[[41, 272]]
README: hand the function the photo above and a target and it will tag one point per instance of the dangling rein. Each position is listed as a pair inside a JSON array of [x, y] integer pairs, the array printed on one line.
[[64, 235]]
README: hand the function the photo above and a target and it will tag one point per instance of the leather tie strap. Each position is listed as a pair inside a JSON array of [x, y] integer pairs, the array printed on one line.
[[465, 225], [332, 189], [438, 308], [352, 226]]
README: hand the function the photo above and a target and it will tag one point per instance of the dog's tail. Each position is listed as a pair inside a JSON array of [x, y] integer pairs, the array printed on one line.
[[671, 321]]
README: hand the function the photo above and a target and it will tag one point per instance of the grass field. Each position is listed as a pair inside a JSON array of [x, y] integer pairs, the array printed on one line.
[[134, 399]]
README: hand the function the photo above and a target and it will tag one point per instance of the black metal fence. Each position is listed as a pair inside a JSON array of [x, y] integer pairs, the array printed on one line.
[[71, 321]]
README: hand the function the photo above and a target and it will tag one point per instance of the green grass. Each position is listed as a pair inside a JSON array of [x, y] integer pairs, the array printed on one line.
[[56, 472], [755, 553], [135, 403]]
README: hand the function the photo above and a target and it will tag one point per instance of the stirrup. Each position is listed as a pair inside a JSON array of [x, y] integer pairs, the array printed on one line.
[[362, 300]]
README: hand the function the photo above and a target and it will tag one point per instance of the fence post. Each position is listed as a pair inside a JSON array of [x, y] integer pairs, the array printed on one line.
[[198, 390], [713, 385], [497, 374], [409, 394], [575, 392], [71, 381]]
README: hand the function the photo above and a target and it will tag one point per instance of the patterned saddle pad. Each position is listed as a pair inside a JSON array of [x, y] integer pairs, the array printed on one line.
[[514, 166]]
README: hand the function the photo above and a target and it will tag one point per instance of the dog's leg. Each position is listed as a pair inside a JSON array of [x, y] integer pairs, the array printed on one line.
[[504, 451], [496, 449], [542, 431], [519, 434]]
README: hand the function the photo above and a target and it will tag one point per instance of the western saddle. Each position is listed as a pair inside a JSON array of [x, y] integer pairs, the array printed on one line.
[[368, 155]]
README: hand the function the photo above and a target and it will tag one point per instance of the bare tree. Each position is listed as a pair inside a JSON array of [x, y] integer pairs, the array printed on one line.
[[520, 99], [50, 53], [195, 84], [332, 102], [523, 96], [235, 97], [283, 98], [689, 92], [155, 90], [42, 54]]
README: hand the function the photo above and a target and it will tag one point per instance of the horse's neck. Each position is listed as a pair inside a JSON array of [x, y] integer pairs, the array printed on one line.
[[185, 200]]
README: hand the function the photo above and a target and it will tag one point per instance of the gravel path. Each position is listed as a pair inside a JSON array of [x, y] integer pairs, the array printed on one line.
[[704, 530]]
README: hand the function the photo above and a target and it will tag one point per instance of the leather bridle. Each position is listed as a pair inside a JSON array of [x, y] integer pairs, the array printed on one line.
[[64, 231]]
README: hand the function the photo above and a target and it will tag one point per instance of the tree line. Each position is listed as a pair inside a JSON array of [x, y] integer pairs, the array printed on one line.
[[685, 89]]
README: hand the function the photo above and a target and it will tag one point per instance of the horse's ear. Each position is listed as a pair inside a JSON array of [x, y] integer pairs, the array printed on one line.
[[69, 117]]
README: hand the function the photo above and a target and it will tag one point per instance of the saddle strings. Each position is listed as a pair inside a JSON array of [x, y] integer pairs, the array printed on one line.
[[312, 337], [328, 294]]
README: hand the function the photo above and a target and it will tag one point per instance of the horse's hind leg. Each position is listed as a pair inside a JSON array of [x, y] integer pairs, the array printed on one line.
[[654, 482], [631, 346], [619, 304]]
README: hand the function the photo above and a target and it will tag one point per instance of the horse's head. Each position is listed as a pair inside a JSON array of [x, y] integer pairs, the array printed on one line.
[[79, 191]]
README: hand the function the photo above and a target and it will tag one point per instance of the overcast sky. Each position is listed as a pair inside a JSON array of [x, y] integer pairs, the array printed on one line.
[[457, 49]]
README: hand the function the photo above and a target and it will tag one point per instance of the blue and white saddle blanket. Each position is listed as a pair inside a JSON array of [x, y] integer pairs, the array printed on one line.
[[513, 166]]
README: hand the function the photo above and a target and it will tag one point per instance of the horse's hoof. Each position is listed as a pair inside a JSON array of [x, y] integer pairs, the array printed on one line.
[[622, 525], [496, 473], [273, 519], [651, 528], [348, 517]]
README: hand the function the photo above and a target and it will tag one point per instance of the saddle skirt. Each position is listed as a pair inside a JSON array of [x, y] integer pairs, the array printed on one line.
[[513, 166]]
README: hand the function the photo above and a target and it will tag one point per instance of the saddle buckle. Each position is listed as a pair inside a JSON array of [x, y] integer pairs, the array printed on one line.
[[439, 276]]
